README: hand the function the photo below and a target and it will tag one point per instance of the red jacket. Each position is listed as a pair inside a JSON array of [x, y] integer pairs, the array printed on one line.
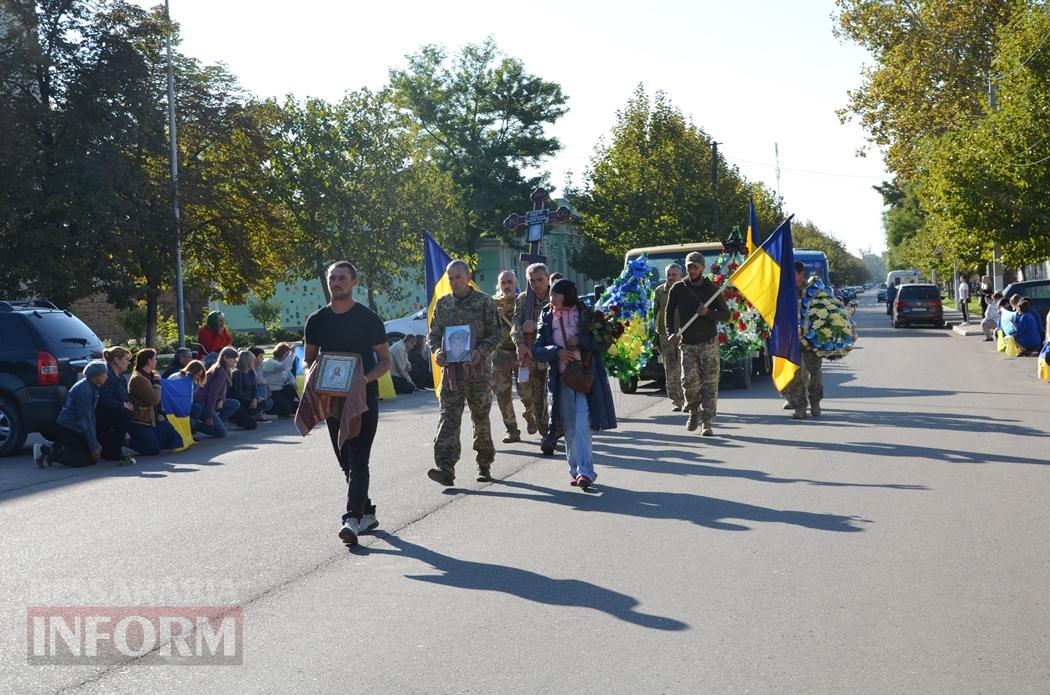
[[212, 341]]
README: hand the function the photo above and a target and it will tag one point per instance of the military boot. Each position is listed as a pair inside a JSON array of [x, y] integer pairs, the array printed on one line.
[[694, 420]]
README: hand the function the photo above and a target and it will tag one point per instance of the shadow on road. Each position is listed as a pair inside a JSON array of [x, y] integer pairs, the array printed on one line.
[[483, 576], [897, 451], [653, 463], [709, 512], [898, 419]]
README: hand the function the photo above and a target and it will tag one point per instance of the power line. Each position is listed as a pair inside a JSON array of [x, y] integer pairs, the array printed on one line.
[[806, 171], [1023, 62]]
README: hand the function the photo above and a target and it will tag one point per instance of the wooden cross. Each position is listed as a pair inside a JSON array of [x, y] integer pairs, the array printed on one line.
[[535, 221]]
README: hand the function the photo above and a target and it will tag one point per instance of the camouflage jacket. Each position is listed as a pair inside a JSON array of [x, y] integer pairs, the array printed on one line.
[[476, 310], [659, 304], [516, 332], [504, 315]]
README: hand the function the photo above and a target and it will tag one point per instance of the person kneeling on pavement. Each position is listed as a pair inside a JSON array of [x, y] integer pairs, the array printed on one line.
[[150, 432], [75, 443], [400, 367]]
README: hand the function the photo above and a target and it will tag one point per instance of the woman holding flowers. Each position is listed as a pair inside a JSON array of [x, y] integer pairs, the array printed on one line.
[[566, 336]]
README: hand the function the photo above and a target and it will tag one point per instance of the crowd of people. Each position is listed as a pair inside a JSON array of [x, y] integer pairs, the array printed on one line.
[[1015, 325], [113, 415], [542, 341]]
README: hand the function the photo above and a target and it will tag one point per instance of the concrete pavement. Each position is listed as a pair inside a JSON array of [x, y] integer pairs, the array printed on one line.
[[897, 544]]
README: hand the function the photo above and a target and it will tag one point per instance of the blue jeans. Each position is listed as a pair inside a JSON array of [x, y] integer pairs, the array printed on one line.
[[576, 422], [150, 441], [218, 420]]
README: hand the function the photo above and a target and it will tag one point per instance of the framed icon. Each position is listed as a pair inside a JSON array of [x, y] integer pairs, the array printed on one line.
[[336, 373], [456, 343]]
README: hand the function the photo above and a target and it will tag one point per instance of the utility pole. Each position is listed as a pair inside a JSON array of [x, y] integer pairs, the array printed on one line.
[[180, 307], [776, 155], [714, 188], [996, 270]]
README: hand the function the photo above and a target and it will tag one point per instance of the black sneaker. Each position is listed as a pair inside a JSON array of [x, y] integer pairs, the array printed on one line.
[[350, 530], [441, 476], [484, 475], [511, 438]]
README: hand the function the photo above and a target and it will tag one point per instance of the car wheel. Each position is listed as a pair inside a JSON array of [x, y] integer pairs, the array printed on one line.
[[940, 324], [742, 375], [629, 385], [12, 430]]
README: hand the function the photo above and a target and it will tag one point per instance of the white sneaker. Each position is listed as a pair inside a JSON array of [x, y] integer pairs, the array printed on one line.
[[368, 523], [38, 455], [351, 529]]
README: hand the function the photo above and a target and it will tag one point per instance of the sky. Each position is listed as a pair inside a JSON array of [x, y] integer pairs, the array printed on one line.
[[751, 73]]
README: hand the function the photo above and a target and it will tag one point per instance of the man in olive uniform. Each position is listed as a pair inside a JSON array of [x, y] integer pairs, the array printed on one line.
[[534, 391], [468, 382], [808, 381], [670, 355], [505, 357], [701, 366]]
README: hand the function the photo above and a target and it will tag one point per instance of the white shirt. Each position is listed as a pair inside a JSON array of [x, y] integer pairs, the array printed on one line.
[[399, 364], [964, 291], [992, 312]]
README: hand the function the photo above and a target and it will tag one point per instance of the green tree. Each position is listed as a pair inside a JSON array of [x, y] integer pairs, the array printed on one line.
[[365, 187], [929, 77], [988, 183], [650, 184], [485, 118]]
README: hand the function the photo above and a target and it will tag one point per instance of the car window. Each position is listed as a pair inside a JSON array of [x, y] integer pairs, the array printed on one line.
[[919, 292], [13, 334], [1038, 292], [659, 262], [62, 334]]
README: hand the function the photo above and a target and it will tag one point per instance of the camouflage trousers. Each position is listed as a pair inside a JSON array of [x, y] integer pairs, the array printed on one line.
[[672, 359], [808, 381], [504, 376], [701, 369], [534, 398], [476, 394]]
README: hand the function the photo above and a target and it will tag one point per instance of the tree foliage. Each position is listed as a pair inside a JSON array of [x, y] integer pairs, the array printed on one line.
[[484, 116], [650, 184], [931, 63]]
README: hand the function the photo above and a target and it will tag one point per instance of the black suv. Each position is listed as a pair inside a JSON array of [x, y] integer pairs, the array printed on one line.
[[43, 351]]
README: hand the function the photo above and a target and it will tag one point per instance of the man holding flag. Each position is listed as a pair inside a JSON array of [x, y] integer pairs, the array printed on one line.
[[808, 382], [767, 280], [690, 302]]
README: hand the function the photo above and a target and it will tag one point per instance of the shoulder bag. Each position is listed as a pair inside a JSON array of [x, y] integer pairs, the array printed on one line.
[[577, 375]]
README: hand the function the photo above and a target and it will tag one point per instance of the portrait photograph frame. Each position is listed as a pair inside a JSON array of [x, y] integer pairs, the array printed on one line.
[[335, 373], [456, 347]]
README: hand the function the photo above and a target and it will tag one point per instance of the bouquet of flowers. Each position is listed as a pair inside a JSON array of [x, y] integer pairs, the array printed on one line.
[[746, 331], [625, 323], [825, 325]]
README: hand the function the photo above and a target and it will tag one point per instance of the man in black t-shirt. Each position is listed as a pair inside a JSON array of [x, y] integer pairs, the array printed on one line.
[[347, 326]]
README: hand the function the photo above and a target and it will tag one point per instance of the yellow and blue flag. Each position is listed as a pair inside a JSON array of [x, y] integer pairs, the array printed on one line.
[[436, 284], [176, 397], [767, 280], [752, 226]]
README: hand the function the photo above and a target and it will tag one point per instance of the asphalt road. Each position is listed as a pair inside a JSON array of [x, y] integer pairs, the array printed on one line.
[[897, 544]]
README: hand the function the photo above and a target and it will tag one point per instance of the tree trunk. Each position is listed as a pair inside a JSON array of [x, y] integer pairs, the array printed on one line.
[[151, 319], [372, 299], [322, 275]]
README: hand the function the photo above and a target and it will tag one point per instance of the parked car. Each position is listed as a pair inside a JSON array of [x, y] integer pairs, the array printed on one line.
[[1037, 292], [918, 303], [413, 324], [43, 352]]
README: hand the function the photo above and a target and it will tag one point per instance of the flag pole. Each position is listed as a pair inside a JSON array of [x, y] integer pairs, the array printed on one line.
[[725, 284]]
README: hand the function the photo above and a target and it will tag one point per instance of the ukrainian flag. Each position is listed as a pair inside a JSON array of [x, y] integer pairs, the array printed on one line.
[[176, 397], [767, 280], [436, 283], [752, 226]]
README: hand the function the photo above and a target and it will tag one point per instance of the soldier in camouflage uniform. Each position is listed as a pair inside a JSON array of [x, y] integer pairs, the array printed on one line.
[[505, 357], [670, 355], [534, 391], [701, 366], [466, 383], [808, 382]]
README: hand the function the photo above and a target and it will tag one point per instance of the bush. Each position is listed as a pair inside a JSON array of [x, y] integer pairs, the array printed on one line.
[[281, 335], [242, 339], [267, 312], [133, 321]]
